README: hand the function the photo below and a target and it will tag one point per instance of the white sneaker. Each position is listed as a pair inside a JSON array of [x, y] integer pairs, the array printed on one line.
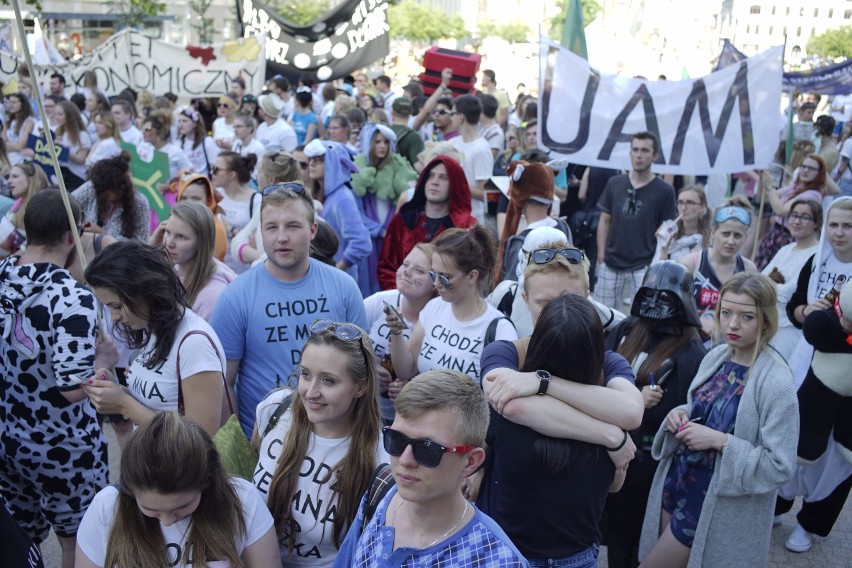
[[800, 540], [777, 520]]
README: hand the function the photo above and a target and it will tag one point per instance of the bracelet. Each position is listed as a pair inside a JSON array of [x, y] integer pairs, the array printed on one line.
[[621, 445], [240, 252]]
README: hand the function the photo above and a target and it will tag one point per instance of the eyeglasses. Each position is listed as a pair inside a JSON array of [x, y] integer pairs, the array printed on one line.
[[293, 186], [808, 168], [426, 452], [224, 105], [738, 213], [147, 129], [342, 331], [543, 256], [687, 203], [303, 165], [631, 200], [803, 217], [441, 111], [316, 160], [445, 281]]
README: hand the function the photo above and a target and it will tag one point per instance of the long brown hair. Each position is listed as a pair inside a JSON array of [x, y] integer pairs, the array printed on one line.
[[639, 341], [22, 115], [818, 183], [73, 124], [353, 473], [200, 220], [112, 175], [171, 454]]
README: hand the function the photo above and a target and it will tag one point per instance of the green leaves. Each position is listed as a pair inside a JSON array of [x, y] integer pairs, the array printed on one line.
[[832, 44]]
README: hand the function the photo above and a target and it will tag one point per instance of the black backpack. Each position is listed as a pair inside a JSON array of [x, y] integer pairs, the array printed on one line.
[[516, 242]]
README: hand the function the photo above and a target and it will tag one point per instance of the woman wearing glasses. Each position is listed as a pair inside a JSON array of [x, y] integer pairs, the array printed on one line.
[[223, 127], [319, 444], [454, 328], [231, 173], [812, 182], [180, 362], [692, 229], [188, 236], [714, 266], [804, 222], [200, 149]]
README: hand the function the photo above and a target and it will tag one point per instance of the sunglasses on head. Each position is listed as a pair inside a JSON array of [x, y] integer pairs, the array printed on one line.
[[426, 452], [342, 331], [293, 186], [543, 256], [732, 212]]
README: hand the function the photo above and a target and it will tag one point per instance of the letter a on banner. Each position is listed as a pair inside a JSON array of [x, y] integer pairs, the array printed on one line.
[[725, 122]]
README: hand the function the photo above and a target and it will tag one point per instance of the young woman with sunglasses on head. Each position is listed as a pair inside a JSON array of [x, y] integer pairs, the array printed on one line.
[[453, 329], [413, 290], [25, 180], [804, 222], [812, 182], [714, 266], [318, 458], [692, 229], [180, 362], [175, 505], [200, 149], [724, 454], [188, 235], [231, 173]]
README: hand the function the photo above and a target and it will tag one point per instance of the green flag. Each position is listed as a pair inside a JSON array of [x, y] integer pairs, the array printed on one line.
[[573, 36]]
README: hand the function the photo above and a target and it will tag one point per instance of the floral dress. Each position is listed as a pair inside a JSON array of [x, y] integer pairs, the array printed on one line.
[[716, 402]]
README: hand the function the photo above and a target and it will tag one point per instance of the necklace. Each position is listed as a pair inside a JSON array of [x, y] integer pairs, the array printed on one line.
[[443, 536]]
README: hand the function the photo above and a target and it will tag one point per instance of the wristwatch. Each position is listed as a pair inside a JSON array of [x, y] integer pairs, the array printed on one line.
[[544, 381]]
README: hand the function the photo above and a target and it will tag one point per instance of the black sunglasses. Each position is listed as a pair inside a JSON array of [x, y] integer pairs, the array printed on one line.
[[426, 452], [543, 256], [293, 186], [303, 165], [445, 281]]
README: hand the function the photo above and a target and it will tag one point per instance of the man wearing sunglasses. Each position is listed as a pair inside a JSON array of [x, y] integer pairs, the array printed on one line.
[[632, 206], [435, 443], [263, 317]]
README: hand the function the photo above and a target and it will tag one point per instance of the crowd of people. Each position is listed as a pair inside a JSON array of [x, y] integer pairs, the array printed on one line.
[[440, 345]]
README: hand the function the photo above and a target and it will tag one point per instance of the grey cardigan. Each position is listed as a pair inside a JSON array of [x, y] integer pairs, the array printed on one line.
[[736, 520]]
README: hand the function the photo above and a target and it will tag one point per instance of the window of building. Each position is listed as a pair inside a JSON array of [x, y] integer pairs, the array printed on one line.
[[831, 12], [748, 28], [773, 10], [816, 12], [799, 32], [755, 10], [847, 14], [771, 29], [788, 11], [756, 29]]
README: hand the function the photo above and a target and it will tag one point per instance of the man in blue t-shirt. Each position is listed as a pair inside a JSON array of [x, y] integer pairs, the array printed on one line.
[[264, 316]]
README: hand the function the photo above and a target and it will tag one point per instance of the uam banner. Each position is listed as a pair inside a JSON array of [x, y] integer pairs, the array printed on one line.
[[132, 59], [725, 122]]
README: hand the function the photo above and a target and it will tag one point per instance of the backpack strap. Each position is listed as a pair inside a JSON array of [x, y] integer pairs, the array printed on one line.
[[381, 483], [251, 203], [491, 332]]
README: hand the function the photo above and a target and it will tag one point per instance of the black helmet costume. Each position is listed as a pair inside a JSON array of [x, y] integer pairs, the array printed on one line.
[[665, 298]]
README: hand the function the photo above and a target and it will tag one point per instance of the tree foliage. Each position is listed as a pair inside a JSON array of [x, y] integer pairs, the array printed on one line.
[[421, 22], [513, 32], [204, 25], [132, 13], [301, 12], [591, 9], [831, 44]]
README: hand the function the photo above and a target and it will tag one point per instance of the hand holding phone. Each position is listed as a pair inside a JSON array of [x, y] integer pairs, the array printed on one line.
[[389, 309]]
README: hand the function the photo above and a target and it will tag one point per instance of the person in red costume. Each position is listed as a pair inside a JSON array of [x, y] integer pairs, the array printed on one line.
[[441, 201]]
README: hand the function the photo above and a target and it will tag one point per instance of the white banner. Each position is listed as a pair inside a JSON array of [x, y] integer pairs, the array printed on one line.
[[725, 122], [132, 59]]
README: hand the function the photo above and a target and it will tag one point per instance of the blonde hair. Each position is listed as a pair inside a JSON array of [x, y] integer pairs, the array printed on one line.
[[282, 197], [36, 181], [762, 290], [279, 167], [442, 389], [558, 263], [435, 149], [200, 220], [108, 120]]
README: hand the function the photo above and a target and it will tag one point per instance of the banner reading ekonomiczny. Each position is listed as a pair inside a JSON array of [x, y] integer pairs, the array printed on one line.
[[725, 122]]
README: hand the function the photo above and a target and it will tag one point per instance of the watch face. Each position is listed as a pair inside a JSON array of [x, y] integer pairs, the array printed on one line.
[[543, 375]]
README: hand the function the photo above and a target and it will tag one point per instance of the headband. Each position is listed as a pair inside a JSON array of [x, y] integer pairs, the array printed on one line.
[[733, 212], [190, 113], [228, 100]]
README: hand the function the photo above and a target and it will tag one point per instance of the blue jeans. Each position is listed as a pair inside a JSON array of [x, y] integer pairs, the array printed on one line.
[[586, 559]]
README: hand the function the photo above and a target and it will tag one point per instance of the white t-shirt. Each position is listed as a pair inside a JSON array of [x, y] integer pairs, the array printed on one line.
[[478, 165], [457, 345], [157, 388], [846, 152], [253, 147], [132, 135], [200, 155], [276, 136], [314, 503], [93, 533], [236, 215], [78, 170], [177, 159], [222, 130], [101, 150], [379, 333], [828, 273]]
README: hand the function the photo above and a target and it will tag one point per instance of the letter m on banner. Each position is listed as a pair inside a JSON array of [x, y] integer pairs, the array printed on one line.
[[725, 122]]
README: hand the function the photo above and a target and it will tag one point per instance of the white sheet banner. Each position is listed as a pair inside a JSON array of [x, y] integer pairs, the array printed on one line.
[[132, 59], [725, 122]]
